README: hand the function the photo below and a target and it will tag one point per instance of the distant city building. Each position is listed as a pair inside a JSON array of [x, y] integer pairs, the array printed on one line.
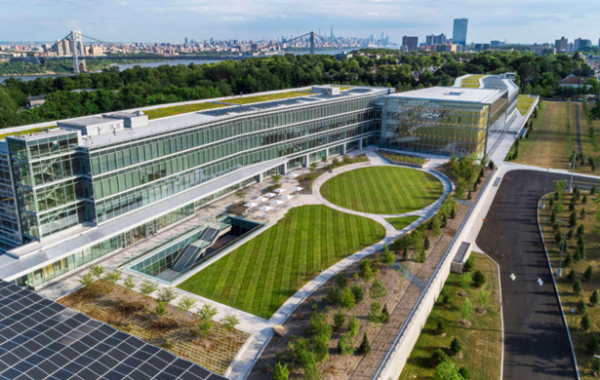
[[482, 47], [459, 34], [581, 44], [410, 43], [186, 40], [562, 45], [544, 49], [570, 47], [445, 48], [436, 39], [496, 43]]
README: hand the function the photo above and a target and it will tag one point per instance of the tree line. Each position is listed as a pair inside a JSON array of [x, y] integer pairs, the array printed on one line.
[[138, 87]]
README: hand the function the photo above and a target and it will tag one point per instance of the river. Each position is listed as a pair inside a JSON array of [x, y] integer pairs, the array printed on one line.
[[171, 62]]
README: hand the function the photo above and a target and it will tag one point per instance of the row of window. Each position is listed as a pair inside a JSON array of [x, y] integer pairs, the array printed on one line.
[[126, 202], [136, 152], [43, 147], [126, 179]]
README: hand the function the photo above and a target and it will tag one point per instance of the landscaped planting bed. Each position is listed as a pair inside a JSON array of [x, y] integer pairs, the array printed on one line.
[[177, 110], [383, 190], [262, 274], [404, 159], [481, 341], [177, 332]]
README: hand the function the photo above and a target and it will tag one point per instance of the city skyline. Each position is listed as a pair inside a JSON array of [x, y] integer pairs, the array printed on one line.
[[153, 21]]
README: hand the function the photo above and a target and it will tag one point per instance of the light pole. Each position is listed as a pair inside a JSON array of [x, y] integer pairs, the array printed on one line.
[[562, 250], [572, 172]]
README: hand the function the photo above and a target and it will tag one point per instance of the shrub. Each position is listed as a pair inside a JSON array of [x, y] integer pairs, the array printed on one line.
[[592, 345], [340, 280], [339, 319], [365, 271], [334, 295], [166, 295], [455, 346], [86, 280], [230, 321], [113, 276], [385, 314], [321, 346], [466, 310], [97, 271], [586, 323], [491, 165], [568, 260], [345, 346], [186, 303], [582, 307], [577, 287], [207, 312], [438, 357], [587, 275], [129, 284], [478, 279], [468, 265], [387, 257], [374, 312], [148, 287], [595, 298], [377, 290], [358, 292], [353, 326], [440, 328], [426, 243], [464, 372], [347, 299], [365, 346], [465, 281], [280, 372]]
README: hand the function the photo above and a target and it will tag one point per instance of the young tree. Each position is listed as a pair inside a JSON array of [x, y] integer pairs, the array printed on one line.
[[468, 265], [230, 321], [148, 287], [113, 277], [592, 345], [353, 326], [86, 281], [347, 299], [339, 319], [365, 346], [334, 295], [377, 290], [478, 279], [280, 372], [313, 167], [241, 194], [129, 284], [166, 295], [358, 292], [586, 323], [587, 275], [466, 310], [207, 311], [186, 303], [440, 328], [465, 281], [426, 243], [385, 314], [582, 307], [568, 260], [572, 276], [387, 257], [374, 315], [345, 345], [484, 298], [577, 287], [447, 371], [97, 271], [438, 357], [160, 310], [455, 346], [276, 178], [595, 298], [405, 253], [365, 271]]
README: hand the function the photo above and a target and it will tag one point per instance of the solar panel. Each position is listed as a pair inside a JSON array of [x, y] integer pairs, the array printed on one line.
[[43, 340]]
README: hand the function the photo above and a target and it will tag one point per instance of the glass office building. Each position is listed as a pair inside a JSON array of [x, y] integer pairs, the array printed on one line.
[[448, 120], [111, 173]]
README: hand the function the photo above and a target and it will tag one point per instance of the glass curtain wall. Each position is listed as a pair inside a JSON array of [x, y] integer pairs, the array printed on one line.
[[433, 126]]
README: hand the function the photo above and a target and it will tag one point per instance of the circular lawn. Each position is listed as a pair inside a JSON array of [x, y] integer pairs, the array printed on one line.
[[388, 190]]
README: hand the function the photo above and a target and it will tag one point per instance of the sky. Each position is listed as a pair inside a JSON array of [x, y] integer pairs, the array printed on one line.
[[516, 21]]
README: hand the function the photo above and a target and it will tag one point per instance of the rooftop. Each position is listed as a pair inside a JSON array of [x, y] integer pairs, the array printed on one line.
[[574, 81], [453, 94]]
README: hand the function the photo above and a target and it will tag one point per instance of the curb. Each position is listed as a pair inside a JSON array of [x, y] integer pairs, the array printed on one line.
[[562, 311]]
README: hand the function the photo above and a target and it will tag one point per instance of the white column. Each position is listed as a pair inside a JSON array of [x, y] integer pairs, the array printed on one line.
[[360, 144]]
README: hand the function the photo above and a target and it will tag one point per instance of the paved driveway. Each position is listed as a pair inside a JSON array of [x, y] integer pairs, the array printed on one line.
[[536, 342]]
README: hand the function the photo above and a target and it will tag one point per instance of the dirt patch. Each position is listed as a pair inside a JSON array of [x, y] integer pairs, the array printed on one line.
[[480, 310], [177, 331], [465, 323], [463, 294]]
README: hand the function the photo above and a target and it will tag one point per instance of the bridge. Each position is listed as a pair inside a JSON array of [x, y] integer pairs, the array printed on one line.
[[74, 41]]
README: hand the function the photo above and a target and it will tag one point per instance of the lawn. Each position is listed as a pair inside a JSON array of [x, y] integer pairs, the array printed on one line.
[[265, 98], [345, 88], [262, 274], [26, 132], [383, 190], [524, 103], [482, 342], [177, 110], [565, 287], [471, 81], [401, 222]]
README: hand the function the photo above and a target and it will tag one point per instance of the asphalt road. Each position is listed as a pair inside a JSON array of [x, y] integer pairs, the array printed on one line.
[[536, 341]]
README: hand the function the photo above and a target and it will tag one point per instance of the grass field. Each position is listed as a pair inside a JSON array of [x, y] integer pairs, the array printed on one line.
[[482, 342], [401, 222], [568, 297], [383, 190], [262, 274], [264, 98], [177, 110], [471, 81], [524, 103], [549, 144]]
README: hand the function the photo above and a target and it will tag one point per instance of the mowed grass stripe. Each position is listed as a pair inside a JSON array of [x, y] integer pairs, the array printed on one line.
[[259, 276], [383, 190]]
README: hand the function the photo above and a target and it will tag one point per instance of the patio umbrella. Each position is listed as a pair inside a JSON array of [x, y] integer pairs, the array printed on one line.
[[297, 188], [260, 199], [265, 208], [293, 175], [279, 190], [250, 204], [269, 195], [277, 202], [287, 197]]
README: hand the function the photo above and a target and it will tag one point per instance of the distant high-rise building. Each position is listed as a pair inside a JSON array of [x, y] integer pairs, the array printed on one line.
[[436, 40], [581, 44], [496, 43], [410, 43], [332, 34], [459, 34], [562, 45]]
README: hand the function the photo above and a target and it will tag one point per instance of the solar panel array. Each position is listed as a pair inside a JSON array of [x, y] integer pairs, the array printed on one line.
[[41, 339]]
